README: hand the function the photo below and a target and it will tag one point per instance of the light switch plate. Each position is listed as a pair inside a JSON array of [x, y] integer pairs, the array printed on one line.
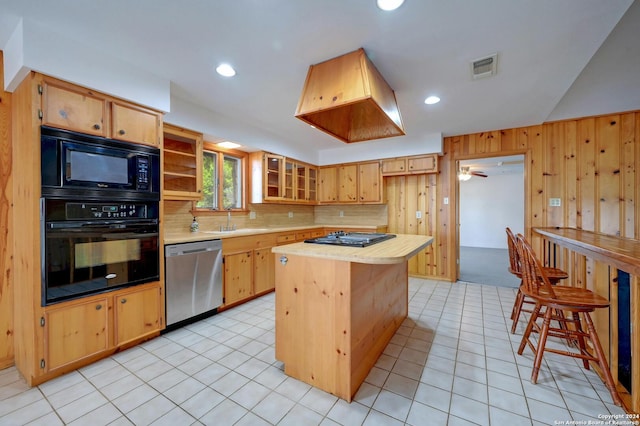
[[252, 215], [290, 214], [418, 214], [554, 202]]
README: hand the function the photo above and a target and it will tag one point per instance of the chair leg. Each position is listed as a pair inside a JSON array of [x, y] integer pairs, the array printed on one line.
[[581, 342], [542, 341], [517, 308], [515, 304], [602, 361], [527, 331]]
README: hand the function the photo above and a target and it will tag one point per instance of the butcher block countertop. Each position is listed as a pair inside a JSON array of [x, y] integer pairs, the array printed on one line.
[[395, 250]]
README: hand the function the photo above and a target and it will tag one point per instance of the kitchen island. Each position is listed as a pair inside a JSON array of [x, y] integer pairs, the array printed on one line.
[[338, 307]]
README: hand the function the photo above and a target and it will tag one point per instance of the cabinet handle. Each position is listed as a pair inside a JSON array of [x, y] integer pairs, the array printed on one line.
[[98, 307], [96, 126], [121, 132], [123, 300]]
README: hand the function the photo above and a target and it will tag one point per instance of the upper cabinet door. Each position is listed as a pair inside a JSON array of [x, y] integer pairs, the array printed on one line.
[[370, 183], [182, 174], [73, 108], [135, 124], [273, 176], [423, 164], [348, 183]]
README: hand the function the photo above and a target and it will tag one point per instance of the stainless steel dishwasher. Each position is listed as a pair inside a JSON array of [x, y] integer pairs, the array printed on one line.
[[193, 280]]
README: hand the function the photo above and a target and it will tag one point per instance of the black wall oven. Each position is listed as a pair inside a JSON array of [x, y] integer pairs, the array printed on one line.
[[99, 215]]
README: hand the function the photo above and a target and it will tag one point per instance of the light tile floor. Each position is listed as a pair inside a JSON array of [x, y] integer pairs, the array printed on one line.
[[452, 362]]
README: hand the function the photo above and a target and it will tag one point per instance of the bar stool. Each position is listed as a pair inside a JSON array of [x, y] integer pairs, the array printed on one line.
[[549, 302], [553, 274]]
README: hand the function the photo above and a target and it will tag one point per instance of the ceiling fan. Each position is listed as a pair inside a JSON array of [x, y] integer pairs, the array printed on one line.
[[466, 173]]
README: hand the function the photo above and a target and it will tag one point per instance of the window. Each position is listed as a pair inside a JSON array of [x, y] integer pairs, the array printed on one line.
[[223, 180], [232, 183]]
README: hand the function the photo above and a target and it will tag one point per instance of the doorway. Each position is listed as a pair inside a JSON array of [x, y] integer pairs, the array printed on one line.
[[491, 197]]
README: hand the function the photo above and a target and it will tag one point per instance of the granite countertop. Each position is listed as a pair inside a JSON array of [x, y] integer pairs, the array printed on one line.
[[395, 250], [203, 235]]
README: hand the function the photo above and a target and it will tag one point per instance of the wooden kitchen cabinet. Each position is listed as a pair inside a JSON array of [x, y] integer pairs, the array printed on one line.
[[132, 123], [418, 164], [138, 313], [289, 181], [273, 170], [352, 183], [182, 174], [75, 331], [238, 276], [278, 179], [72, 107], [328, 184], [86, 328], [423, 164], [52, 340], [263, 270], [306, 183], [369, 182], [347, 183]]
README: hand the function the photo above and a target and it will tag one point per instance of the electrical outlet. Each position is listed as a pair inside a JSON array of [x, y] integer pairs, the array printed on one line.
[[418, 214], [341, 214], [290, 215], [554, 202], [252, 215]]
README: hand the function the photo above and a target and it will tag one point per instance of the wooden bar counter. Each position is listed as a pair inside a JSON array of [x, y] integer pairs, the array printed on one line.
[[338, 307], [598, 261]]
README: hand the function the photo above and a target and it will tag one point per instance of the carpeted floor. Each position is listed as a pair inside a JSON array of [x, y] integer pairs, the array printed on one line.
[[486, 266]]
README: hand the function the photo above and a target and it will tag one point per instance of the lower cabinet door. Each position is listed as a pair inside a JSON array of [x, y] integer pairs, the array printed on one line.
[[264, 276], [238, 276], [137, 314], [75, 331]]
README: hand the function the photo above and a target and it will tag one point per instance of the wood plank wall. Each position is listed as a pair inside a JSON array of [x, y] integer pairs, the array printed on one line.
[[592, 164], [405, 195], [6, 234]]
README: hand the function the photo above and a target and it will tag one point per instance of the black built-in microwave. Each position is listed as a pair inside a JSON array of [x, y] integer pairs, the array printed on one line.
[[79, 165]]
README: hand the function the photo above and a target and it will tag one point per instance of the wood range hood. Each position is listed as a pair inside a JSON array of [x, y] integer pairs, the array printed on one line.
[[349, 99]]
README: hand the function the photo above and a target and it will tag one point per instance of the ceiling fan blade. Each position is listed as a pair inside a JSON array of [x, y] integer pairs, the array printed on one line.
[[479, 174]]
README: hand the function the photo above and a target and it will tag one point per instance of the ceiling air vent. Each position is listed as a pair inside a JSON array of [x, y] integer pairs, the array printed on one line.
[[484, 67]]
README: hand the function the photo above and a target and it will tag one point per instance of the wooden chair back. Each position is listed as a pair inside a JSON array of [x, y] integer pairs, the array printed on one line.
[[534, 278], [514, 257]]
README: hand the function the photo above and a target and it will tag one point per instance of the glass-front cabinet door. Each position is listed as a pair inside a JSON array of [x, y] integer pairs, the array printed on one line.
[[312, 188], [288, 181], [273, 179], [301, 182]]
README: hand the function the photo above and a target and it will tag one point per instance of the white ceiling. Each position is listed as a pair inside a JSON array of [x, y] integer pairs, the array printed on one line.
[[423, 48]]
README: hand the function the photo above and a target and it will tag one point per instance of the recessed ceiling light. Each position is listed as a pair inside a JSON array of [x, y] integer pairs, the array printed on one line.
[[432, 100], [228, 145], [226, 70], [389, 4]]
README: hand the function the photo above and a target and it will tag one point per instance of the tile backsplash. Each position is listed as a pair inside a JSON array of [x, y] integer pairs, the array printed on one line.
[[178, 216]]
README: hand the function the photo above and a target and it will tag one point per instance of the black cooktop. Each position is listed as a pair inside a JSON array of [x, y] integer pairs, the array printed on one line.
[[351, 239]]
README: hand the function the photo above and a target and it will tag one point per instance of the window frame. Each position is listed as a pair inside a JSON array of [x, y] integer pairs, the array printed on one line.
[[220, 154]]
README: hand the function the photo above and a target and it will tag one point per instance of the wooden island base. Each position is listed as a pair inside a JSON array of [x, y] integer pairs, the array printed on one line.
[[334, 318]]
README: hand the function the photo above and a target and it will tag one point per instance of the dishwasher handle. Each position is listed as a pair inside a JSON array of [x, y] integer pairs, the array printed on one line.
[[178, 250]]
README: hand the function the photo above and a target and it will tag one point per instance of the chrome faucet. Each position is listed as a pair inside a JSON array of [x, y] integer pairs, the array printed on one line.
[[229, 227]]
